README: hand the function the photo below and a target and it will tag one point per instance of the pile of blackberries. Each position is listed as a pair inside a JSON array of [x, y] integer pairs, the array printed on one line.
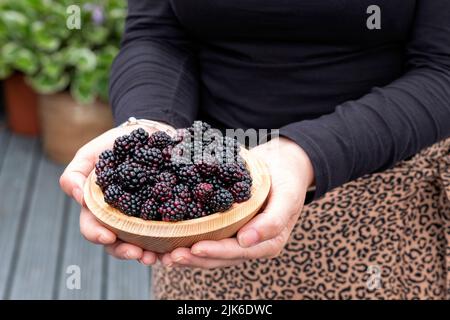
[[158, 177]]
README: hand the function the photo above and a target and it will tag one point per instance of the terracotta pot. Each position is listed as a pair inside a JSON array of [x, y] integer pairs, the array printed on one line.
[[67, 125], [21, 106]]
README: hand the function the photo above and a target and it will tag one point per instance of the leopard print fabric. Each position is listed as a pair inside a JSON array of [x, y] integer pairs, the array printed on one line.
[[383, 236]]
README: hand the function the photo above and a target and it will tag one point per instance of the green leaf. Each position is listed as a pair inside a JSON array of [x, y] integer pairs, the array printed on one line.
[[43, 37], [82, 58], [5, 70], [47, 85], [83, 87]]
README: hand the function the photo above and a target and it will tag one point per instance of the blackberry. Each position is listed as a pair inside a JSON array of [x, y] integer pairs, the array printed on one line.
[[173, 210], [148, 156], [149, 210], [195, 210], [167, 153], [152, 173], [230, 173], [146, 192], [247, 178], [130, 204], [112, 194], [162, 191], [189, 175], [131, 176], [139, 136], [159, 139], [203, 191], [241, 191], [167, 177], [199, 127], [123, 146], [105, 178], [221, 200], [208, 166], [216, 183], [182, 191], [106, 159]]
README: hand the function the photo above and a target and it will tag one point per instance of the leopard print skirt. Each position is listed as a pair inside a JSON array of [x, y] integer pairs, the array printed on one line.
[[383, 236]]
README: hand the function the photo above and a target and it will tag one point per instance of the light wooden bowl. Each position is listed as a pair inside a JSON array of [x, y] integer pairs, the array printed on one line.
[[159, 236]]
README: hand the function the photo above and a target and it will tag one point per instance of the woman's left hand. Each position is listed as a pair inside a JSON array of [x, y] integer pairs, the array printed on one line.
[[266, 234]]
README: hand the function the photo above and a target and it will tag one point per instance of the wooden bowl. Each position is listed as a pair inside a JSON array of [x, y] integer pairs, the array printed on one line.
[[160, 236]]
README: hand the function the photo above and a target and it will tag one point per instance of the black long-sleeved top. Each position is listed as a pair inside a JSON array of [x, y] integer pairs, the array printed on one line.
[[356, 100]]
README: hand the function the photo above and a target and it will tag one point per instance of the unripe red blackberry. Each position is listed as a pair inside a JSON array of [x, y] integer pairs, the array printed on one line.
[[162, 191], [173, 210], [130, 204], [159, 139], [241, 191], [105, 178], [148, 156], [203, 191], [149, 210], [112, 194], [221, 200], [131, 176], [167, 177]]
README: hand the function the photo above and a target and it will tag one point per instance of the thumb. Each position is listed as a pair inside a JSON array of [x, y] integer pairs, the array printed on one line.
[[271, 221]]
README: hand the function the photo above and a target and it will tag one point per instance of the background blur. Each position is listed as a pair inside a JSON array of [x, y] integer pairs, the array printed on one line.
[[55, 57]]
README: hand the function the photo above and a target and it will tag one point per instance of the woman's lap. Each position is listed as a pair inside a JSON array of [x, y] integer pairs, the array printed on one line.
[[382, 236]]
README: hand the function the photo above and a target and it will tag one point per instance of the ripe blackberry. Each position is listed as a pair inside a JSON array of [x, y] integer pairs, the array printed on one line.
[[189, 175], [221, 200], [195, 210], [159, 139], [230, 173], [106, 159], [112, 194], [203, 191], [216, 183], [241, 191], [130, 204], [162, 191], [146, 192], [139, 136], [131, 176], [173, 210], [207, 166], [182, 191], [148, 156], [105, 178], [123, 146], [247, 178], [152, 172], [149, 210], [167, 177], [166, 153]]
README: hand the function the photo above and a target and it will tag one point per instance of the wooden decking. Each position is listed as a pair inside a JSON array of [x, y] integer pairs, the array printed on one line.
[[40, 238]]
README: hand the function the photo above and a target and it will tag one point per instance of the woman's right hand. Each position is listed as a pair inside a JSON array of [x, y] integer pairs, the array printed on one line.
[[72, 182]]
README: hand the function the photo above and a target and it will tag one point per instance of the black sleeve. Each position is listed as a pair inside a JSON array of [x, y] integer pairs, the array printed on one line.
[[391, 123], [154, 75]]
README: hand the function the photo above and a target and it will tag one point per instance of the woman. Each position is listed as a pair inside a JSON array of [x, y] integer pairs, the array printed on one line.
[[356, 87]]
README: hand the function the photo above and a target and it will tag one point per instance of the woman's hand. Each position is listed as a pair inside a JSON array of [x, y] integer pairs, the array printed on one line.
[[72, 182], [266, 234]]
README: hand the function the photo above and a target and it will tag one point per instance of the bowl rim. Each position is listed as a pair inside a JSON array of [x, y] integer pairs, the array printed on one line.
[[114, 218]]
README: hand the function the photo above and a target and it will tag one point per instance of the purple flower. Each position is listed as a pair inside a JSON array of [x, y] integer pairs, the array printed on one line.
[[97, 13]]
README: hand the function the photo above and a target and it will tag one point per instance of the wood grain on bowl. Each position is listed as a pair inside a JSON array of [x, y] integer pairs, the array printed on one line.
[[160, 236]]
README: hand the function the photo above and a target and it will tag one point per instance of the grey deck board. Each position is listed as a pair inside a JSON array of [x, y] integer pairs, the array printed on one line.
[[40, 237], [14, 180], [34, 276], [81, 253], [127, 280]]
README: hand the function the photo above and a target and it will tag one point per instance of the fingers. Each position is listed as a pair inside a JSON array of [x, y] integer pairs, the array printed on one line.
[[74, 176], [231, 249], [271, 222], [92, 230], [124, 251], [183, 257], [148, 258]]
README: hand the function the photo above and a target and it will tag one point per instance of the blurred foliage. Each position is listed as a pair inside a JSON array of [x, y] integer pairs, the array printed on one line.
[[35, 40]]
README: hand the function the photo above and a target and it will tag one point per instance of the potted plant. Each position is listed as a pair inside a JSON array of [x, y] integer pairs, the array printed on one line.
[[68, 68]]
